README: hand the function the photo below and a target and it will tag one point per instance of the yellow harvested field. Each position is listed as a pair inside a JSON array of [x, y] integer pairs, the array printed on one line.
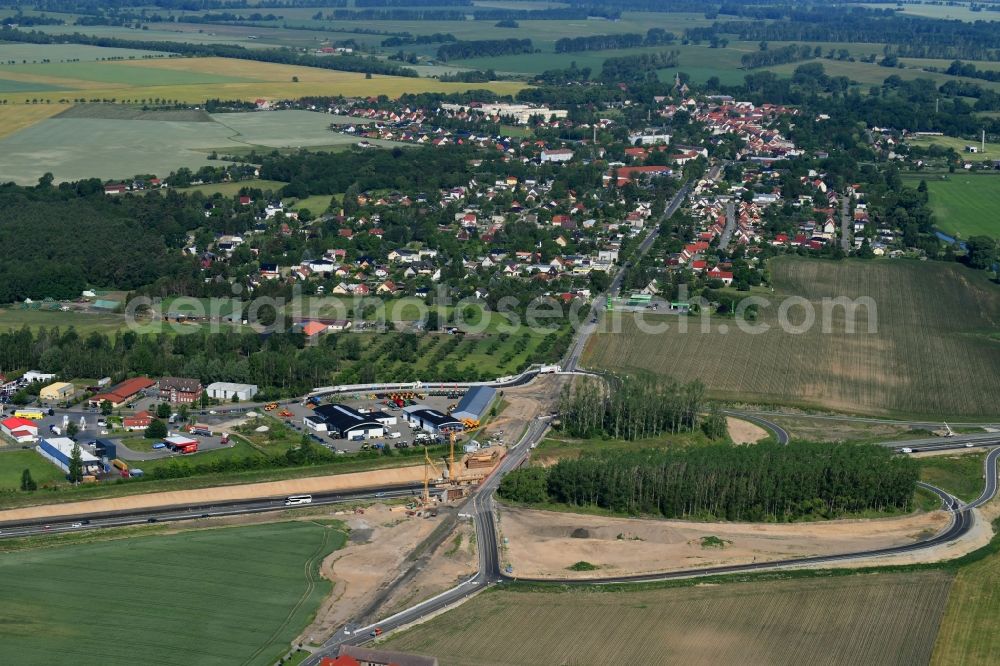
[[16, 118], [266, 80]]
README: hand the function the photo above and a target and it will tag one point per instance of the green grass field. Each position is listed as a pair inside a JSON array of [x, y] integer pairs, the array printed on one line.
[[14, 318], [961, 475], [992, 151], [74, 147], [966, 204], [14, 461], [213, 597], [931, 355], [889, 619], [968, 635], [27, 54]]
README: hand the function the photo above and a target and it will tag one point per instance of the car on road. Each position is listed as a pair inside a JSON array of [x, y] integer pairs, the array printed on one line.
[[906, 450], [968, 445], [377, 631], [77, 525]]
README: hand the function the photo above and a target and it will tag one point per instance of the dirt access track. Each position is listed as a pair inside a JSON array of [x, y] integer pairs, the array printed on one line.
[[250, 491], [540, 544]]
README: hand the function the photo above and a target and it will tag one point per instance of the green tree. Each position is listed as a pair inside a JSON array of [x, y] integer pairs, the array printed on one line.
[[72, 429], [106, 407], [982, 252], [157, 429], [163, 410], [27, 483], [714, 425], [76, 465]]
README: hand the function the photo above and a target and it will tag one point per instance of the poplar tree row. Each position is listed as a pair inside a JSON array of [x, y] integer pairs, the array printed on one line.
[[644, 406]]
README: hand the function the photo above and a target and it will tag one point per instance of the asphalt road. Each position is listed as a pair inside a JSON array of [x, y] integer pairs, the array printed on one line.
[[193, 511], [479, 507], [569, 364]]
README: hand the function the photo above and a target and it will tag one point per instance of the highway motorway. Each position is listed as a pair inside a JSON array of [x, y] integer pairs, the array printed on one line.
[[193, 511]]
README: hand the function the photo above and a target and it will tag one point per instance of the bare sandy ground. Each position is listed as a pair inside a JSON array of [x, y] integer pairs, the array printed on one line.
[[525, 403], [380, 541], [744, 432], [453, 561], [540, 542], [316, 484]]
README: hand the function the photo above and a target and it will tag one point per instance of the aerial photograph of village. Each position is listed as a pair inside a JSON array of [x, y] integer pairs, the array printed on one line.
[[499, 332]]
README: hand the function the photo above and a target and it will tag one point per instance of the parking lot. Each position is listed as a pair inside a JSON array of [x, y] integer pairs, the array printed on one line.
[[360, 402]]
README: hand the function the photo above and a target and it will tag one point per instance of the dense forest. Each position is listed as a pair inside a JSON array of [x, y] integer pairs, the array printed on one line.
[[746, 483], [639, 407], [58, 241]]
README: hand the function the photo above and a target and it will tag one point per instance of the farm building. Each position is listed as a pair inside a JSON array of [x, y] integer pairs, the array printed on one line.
[[179, 389], [431, 420], [474, 403], [347, 422], [227, 391], [123, 392], [59, 451], [57, 392], [18, 429]]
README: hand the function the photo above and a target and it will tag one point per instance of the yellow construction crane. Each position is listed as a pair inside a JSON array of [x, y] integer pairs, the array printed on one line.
[[452, 476], [429, 465]]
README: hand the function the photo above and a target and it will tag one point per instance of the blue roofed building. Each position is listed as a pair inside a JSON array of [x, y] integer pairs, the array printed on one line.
[[474, 403]]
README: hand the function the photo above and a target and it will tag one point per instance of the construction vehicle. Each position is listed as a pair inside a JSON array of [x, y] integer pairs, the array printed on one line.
[[945, 432], [429, 465], [270, 407]]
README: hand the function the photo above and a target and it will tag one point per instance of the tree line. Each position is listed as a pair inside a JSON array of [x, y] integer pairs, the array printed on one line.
[[764, 482], [654, 37], [767, 58], [483, 48], [637, 68]]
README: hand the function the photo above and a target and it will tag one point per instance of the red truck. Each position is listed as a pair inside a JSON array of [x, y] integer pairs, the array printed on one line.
[[188, 448]]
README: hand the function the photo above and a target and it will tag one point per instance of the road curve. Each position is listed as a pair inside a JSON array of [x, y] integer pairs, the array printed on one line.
[[962, 521]]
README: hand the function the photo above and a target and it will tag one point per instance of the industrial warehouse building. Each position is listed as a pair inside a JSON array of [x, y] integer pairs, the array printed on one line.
[[348, 423], [59, 450], [58, 392], [227, 391], [474, 403], [431, 420]]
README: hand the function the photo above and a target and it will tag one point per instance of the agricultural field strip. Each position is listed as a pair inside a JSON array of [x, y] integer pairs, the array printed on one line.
[[892, 619]]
